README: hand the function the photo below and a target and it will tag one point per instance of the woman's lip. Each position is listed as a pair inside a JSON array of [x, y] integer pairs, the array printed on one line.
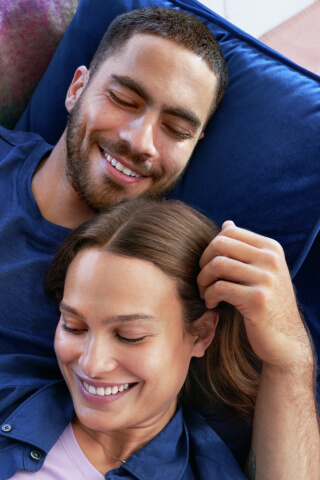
[[99, 399], [102, 384]]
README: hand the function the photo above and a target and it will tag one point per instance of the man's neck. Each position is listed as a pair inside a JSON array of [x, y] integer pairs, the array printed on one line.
[[55, 197]]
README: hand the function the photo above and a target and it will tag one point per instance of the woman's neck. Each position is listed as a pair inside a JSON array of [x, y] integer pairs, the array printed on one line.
[[109, 450]]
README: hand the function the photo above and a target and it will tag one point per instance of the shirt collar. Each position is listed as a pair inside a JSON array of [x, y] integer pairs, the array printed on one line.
[[51, 405], [165, 456]]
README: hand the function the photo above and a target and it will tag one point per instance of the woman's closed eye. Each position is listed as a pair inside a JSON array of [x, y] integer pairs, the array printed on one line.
[[74, 331], [130, 340], [80, 330]]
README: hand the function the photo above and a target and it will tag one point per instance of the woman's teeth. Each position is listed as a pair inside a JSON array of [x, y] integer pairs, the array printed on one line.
[[116, 164], [105, 391]]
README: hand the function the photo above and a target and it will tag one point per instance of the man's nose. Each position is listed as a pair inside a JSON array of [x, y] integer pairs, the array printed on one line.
[[98, 357], [140, 135]]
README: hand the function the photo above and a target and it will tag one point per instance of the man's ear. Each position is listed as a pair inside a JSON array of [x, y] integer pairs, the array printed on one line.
[[201, 136], [204, 330], [77, 85]]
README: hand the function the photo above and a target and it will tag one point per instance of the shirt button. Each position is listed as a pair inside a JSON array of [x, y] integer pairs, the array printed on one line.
[[6, 428], [35, 455]]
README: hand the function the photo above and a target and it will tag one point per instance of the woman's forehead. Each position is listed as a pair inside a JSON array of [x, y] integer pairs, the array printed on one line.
[[119, 285]]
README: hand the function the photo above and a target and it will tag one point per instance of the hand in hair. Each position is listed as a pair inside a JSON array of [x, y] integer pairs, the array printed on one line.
[[250, 272]]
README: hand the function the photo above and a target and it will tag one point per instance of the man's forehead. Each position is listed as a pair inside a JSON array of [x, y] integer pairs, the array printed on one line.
[[144, 38], [140, 42]]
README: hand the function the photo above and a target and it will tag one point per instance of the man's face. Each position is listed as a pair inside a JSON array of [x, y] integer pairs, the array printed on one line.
[[135, 125]]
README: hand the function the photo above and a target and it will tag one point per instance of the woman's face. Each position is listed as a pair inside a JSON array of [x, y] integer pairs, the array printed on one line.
[[120, 342]]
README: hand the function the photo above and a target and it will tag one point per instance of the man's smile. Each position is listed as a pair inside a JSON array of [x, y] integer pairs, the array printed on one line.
[[119, 166]]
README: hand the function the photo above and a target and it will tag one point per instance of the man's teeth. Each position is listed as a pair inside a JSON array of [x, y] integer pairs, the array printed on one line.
[[121, 167], [105, 391]]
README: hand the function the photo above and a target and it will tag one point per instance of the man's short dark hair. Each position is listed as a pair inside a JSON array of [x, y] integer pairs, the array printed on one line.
[[176, 25]]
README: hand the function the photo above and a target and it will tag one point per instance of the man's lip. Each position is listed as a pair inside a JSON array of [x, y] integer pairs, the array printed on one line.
[[124, 162]]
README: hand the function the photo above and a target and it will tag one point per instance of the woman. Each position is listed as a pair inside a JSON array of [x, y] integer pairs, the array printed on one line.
[[137, 348]]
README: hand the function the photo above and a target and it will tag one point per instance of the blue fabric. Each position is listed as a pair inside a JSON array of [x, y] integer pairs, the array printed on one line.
[[27, 244], [258, 161], [187, 448]]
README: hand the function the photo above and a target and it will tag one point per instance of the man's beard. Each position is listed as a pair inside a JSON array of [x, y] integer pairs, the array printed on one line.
[[108, 192]]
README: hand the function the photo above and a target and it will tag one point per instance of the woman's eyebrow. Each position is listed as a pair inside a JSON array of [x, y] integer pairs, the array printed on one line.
[[128, 318], [65, 307], [109, 320]]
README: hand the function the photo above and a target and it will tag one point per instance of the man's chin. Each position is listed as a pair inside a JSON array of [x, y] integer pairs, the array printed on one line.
[[101, 197]]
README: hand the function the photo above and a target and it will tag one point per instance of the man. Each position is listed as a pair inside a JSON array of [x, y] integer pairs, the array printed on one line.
[[135, 118]]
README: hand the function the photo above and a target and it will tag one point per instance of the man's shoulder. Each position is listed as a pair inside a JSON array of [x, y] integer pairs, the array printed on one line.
[[20, 143], [12, 138], [16, 147]]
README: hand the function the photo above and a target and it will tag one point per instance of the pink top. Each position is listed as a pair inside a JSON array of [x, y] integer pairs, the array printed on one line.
[[64, 461]]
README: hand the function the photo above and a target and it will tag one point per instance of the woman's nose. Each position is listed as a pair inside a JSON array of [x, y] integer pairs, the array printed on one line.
[[98, 358]]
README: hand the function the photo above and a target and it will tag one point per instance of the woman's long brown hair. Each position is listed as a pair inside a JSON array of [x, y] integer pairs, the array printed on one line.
[[173, 236]]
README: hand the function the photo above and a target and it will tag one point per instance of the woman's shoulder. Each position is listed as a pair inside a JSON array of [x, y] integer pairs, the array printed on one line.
[[209, 455]]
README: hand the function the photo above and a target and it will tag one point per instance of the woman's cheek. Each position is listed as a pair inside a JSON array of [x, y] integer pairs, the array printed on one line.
[[64, 346]]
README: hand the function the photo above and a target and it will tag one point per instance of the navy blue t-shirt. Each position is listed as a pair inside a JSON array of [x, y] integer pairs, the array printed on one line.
[[27, 244]]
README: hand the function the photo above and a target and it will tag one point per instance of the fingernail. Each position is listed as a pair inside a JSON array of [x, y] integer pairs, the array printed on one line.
[[228, 223]]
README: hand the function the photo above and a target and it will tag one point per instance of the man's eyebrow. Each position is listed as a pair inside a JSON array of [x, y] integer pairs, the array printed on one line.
[[187, 115], [128, 82], [110, 319]]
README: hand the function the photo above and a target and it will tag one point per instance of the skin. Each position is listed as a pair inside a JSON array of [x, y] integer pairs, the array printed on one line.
[[116, 328], [145, 110], [250, 272]]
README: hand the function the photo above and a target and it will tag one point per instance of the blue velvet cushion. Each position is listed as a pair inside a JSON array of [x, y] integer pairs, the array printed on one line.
[[259, 161]]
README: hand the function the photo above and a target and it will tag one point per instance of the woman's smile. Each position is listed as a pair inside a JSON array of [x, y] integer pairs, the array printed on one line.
[[97, 394]]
